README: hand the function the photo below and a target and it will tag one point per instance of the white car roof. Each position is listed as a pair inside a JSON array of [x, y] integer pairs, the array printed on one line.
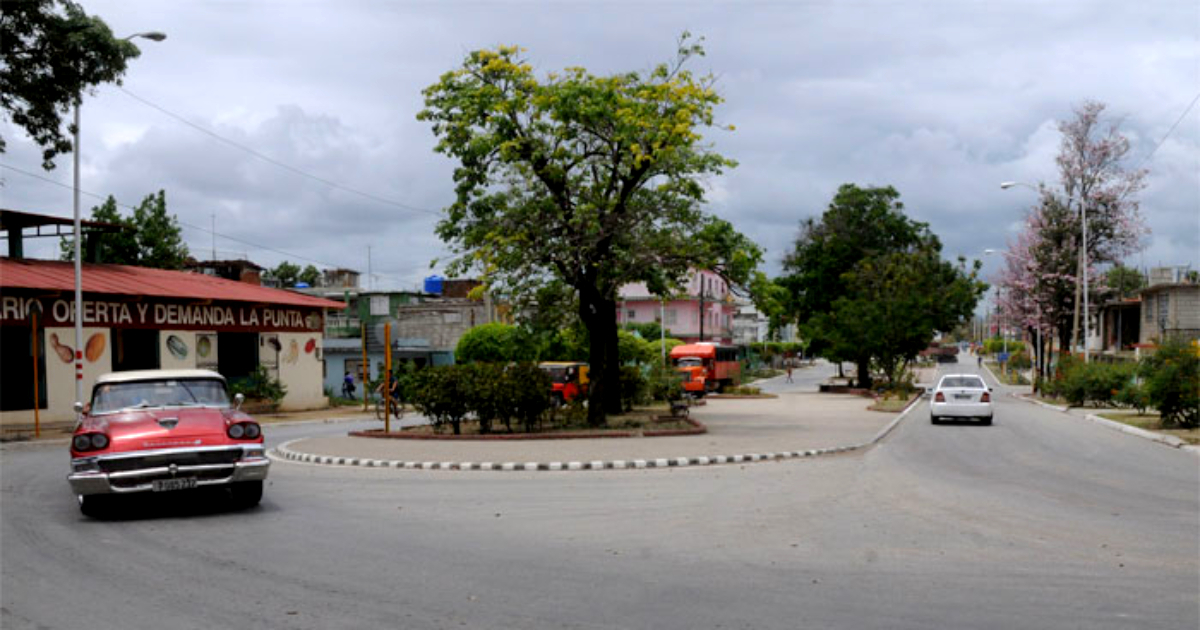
[[975, 376], [157, 375]]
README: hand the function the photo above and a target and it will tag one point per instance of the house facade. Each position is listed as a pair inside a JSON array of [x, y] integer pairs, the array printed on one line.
[[139, 318], [705, 312], [1170, 306]]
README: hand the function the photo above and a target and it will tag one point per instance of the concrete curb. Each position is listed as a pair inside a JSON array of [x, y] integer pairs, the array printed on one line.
[[284, 453], [1166, 440]]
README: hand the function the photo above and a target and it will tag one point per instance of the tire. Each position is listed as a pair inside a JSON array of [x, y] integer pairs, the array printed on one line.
[[987, 422], [379, 410], [246, 494], [934, 420], [95, 505]]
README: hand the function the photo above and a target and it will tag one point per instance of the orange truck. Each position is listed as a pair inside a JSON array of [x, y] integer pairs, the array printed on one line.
[[706, 367]]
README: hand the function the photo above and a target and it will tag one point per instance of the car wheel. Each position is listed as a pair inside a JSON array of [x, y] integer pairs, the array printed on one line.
[[94, 505], [246, 494], [934, 420], [987, 421]]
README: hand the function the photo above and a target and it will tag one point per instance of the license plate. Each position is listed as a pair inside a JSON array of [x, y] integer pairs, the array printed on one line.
[[166, 485], [962, 397]]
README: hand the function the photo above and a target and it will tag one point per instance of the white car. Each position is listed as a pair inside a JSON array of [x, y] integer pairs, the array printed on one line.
[[961, 396]]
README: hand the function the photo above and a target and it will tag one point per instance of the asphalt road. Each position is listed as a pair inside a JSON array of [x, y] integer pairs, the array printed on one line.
[[1040, 521]]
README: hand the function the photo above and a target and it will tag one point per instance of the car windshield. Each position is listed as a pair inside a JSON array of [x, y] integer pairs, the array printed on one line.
[[111, 397], [971, 382], [689, 362]]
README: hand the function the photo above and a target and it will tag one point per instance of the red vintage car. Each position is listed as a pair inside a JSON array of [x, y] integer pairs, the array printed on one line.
[[164, 431]]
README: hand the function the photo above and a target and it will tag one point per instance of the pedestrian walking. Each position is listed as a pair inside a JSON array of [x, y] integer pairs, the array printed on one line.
[[789, 371]]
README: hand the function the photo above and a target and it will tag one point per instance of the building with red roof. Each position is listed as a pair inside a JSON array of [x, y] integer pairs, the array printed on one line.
[[142, 318]]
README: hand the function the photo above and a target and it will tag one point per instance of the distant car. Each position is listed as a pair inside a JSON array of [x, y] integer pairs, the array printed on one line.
[[961, 396], [164, 431]]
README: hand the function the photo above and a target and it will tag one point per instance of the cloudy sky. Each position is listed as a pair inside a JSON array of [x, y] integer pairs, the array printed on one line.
[[942, 100]]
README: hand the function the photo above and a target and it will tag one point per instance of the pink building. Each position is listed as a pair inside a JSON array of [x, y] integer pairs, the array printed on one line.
[[704, 313]]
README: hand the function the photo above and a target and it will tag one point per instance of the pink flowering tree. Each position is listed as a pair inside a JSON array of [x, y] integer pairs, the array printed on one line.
[[1038, 282]]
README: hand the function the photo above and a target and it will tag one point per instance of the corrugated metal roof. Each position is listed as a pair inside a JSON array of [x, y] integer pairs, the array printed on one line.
[[125, 280]]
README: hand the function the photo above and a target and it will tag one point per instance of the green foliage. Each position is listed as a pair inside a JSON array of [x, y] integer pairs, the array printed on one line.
[[310, 276], [664, 383], [528, 390], [866, 282], [1134, 396], [53, 52], [584, 181], [285, 273], [259, 386], [631, 350], [646, 330], [1093, 383], [996, 346], [634, 387], [1019, 360], [1172, 383], [442, 395], [656, 349], [495, 343], [1124, 281], [151, 237]]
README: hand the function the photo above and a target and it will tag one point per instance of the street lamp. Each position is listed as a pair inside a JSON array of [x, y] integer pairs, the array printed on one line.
[[153, 36], [1083, 267]]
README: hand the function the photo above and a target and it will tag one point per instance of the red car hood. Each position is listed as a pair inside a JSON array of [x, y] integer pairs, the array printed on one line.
[[136, 430]]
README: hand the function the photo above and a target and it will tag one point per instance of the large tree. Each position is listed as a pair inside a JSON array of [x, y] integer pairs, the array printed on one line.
[[1096, 183], [589, 181], [866, 283], [51, 53], [151, 238], [1042, 278]]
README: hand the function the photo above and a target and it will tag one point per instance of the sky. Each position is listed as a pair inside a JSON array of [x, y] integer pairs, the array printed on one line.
[[291, 127]]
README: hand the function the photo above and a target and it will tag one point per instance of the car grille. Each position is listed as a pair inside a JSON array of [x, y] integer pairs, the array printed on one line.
[[179, 458]]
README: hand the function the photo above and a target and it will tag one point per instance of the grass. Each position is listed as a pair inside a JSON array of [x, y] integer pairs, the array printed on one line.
[[1151, 422], [1011, 378]]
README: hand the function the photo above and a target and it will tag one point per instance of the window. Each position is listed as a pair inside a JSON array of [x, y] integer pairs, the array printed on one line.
[[1164, 303], [631, 314], [1148, 305], [379, 305], [669, 317]]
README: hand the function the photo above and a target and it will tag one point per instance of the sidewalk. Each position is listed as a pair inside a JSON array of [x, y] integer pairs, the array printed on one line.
[[795, 424]]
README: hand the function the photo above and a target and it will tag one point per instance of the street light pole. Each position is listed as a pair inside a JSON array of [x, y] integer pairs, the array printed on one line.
[[78, 314]]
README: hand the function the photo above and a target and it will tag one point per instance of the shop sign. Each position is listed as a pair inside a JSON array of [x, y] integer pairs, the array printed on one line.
[[173, 315]]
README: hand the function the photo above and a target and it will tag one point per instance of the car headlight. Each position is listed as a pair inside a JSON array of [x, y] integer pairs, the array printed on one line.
[[252, 431], [236, 431], [99, 441], [82, 442]]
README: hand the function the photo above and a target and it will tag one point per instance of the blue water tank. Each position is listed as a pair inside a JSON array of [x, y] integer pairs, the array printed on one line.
[[433, 284]]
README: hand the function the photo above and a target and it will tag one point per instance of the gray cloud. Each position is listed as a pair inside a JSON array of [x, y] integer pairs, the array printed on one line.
[[941, 100]]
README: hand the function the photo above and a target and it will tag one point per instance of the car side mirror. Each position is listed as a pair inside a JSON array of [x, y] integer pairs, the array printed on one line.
[[238, 399], [81, 408]]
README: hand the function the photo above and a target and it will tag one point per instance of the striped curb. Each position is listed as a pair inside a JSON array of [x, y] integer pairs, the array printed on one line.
[[283, 453]]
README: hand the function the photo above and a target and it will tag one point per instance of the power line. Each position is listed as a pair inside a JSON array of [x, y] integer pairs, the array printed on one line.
[[288, 255], [273, 161]]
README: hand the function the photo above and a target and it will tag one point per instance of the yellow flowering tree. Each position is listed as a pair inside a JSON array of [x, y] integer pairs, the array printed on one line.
[[591, 181]]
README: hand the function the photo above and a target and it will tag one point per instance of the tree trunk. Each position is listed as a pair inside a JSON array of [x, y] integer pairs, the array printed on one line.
[[864, 374], [593, 315], [612, 358]]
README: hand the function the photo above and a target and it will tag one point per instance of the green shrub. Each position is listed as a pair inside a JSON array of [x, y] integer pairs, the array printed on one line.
[[996, 346], [633, 387], [440, 393], [1134, 396], [665, 383], [527, 389], [1020, 361], [259, 385], [1172, 383]]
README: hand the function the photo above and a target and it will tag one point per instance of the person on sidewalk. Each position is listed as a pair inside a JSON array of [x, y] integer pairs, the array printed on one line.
[[789, 371]]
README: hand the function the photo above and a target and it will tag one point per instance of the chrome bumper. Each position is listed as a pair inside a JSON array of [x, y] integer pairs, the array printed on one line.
[[89, 476]]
